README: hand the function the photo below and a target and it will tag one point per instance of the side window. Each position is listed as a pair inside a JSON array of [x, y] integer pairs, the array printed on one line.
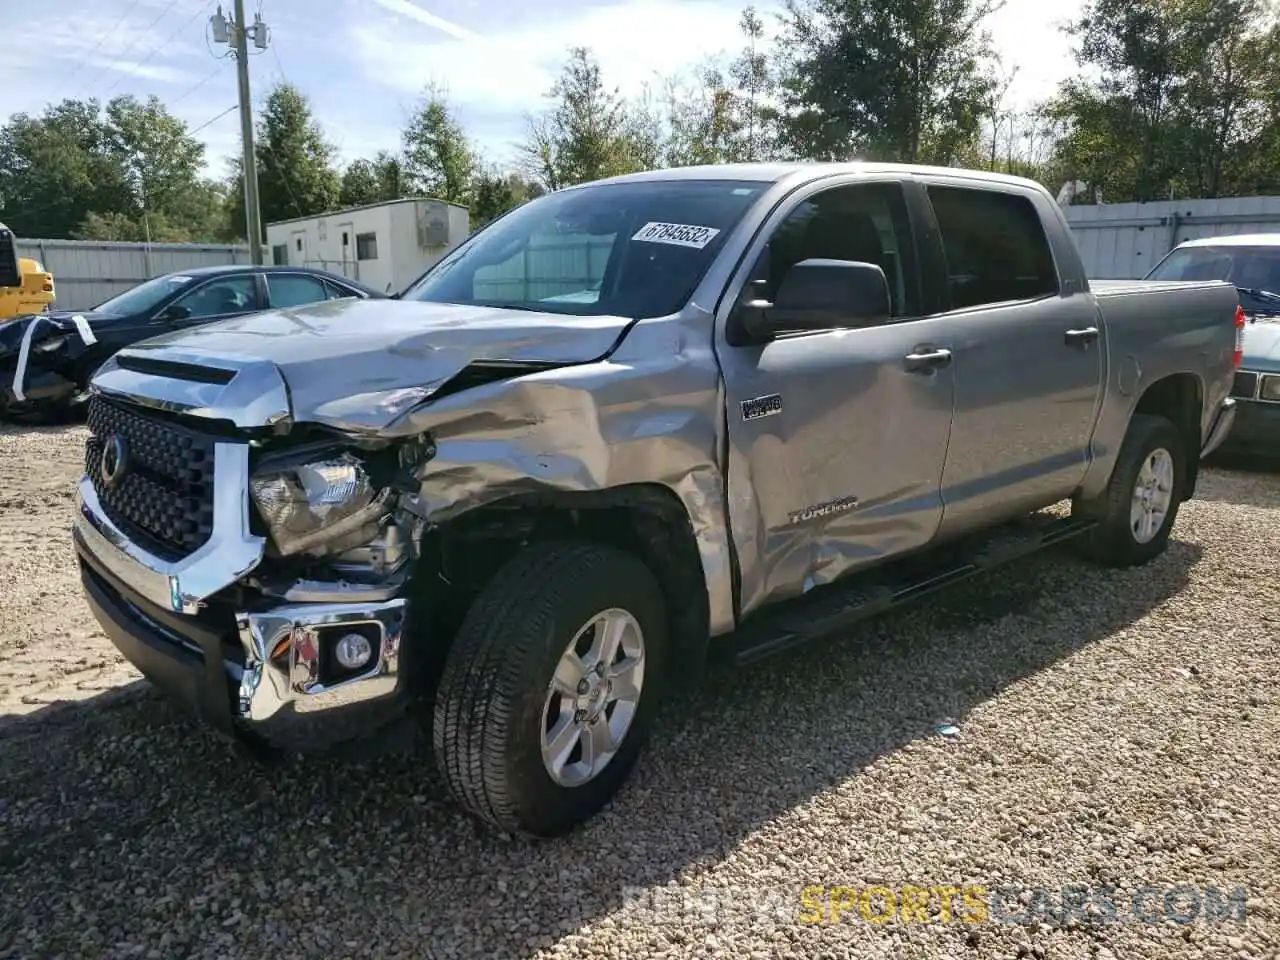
[[293, 290], [566, 267], [995, 247], [335, 292], [227, 295], [866, 222], [366, 246]]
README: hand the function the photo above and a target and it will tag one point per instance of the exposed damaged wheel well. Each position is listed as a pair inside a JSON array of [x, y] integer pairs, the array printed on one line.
[[461, 556]]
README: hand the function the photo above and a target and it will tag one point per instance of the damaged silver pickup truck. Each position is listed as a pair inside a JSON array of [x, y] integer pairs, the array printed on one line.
[[750, 404]]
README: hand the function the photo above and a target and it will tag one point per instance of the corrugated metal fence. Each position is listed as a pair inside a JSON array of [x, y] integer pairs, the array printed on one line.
[[1123, 241], [86, 272]]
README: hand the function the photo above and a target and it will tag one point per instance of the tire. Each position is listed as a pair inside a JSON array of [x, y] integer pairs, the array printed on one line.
[[495, 693], [1119, 540]]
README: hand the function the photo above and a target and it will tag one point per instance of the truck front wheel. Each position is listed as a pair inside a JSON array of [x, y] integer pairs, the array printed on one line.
[[1136, 512], [550, 687]]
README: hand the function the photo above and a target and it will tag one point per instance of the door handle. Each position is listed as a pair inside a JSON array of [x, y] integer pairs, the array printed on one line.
[[1081, 337], [925, 360]]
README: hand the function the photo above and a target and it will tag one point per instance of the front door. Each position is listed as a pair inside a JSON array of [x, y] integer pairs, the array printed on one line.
[[837, 440], [1028, 392]]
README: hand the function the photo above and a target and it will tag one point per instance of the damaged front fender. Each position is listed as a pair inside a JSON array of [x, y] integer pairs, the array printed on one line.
[[649, 414]]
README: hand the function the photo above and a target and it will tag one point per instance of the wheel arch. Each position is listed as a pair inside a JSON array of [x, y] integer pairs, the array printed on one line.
[[1179, 398], [648, 520]]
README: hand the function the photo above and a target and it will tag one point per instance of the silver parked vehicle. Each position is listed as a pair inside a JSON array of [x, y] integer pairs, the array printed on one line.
[[743, 404]]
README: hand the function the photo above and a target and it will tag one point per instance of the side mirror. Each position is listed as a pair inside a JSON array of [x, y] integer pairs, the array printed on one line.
[[829, 294], [175, 311]]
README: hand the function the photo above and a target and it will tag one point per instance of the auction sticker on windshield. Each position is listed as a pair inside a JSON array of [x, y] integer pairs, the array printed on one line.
[[678, 234]]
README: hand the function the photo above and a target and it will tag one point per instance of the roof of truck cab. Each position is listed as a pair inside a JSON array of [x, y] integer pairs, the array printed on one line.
[[1239, 240], [802, 171]]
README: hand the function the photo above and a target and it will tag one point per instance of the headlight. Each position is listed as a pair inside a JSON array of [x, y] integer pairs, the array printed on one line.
[[317, 505], [1270, 388], [48, 346]]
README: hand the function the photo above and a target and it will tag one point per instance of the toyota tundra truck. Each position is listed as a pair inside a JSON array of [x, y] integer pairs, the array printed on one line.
[[629, 425]]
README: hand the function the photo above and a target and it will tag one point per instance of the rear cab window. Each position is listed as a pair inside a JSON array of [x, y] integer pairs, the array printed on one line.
[[994, 246]]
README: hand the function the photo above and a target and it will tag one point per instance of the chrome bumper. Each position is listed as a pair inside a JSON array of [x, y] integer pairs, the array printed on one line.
[[283, 684], [1221, 427], [282, 689]]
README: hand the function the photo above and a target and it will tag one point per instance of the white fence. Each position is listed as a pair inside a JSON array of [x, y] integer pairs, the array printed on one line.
[[86, 272], [1123, 241]]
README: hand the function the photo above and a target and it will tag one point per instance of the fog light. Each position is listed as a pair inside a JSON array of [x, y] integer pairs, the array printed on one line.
[[353, 651]]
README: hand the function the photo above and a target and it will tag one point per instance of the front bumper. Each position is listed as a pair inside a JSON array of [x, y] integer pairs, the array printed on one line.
[[1222, 426], [268, 672], [1256, 430], [41, 387]]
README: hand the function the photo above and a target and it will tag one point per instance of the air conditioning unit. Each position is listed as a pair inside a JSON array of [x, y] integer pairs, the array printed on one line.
[[433, 224]]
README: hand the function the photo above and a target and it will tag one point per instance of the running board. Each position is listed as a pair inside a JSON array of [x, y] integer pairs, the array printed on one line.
[[837, 606]]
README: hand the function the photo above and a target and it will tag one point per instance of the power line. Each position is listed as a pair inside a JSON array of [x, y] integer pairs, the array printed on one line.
[[193, 131], [192, 89], [156, 49], [96, 47], [137, 33]]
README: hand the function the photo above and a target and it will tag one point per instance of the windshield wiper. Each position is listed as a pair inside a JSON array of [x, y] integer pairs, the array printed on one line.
[[1266, 296]]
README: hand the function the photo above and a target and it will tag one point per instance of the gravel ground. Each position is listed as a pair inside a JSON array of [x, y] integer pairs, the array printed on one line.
[[1114, 729]]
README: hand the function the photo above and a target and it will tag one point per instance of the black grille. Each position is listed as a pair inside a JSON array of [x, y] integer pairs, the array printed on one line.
[[164, 500], [1245, 385]]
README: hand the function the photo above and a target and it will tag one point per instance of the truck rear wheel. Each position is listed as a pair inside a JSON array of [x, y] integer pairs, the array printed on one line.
[[550, 687], [1137, 511]]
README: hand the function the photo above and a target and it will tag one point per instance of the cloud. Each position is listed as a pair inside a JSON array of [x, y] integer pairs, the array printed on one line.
[[414, 12], [510, 70]]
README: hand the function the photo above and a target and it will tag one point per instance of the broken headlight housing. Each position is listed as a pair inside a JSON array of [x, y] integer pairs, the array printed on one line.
[[319, 507]]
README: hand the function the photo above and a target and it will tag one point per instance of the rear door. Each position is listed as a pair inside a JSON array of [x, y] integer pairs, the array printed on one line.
[[286, 290], [1029, 352], [837, 440]]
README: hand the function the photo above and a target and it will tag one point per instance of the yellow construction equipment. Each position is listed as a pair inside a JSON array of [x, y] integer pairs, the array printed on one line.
[[25, 285]]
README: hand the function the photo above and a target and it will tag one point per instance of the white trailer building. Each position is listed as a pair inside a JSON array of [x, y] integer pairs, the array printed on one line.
[[383, 245]]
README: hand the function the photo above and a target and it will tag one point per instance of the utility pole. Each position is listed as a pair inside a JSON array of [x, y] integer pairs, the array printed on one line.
[[237, 35]]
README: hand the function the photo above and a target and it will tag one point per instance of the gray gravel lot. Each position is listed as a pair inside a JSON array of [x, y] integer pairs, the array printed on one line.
[[1114, 729]]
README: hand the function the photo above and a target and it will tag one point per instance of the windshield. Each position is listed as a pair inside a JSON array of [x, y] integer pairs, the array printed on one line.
[[145, 296], [1254, 270], [624, 249]]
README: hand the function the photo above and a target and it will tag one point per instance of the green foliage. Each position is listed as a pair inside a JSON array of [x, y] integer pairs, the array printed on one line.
[[587, 132], [439, 160], [905, 80], [78, 168], [1184, 104], [296, 175]]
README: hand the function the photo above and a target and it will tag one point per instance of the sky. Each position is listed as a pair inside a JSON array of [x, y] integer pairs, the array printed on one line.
[[364, 63]]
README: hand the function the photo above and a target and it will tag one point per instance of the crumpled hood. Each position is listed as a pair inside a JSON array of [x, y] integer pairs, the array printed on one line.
[[341, 359], [1262, 343]]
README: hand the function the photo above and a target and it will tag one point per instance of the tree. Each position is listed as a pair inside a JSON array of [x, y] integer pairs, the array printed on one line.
[[905, 80], [702, 125], [1179, 103], [130, 171], [494, 193], [359, 184], [753, 84], [57, 168], [439, 160], [586, 133], [296, 176]]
